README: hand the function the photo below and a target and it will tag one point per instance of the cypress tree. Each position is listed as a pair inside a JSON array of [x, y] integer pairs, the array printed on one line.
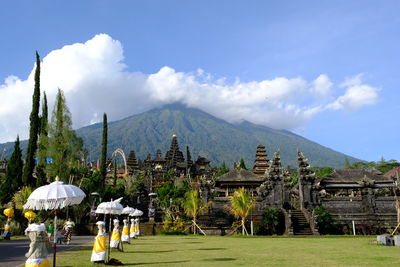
[[242, 164], [43, 144], [13, 178], [103, 159], [34, 129], [62, 139]]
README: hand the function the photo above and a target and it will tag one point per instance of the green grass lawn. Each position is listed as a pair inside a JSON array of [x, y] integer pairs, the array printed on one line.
[[245, 251]]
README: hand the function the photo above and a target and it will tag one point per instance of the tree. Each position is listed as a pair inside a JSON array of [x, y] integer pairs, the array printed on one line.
[[241, 206], [222, 170], [13, 177], [194, 206], [64, 145], [43, 145], [103, 159], [242, 164], [34, 129]]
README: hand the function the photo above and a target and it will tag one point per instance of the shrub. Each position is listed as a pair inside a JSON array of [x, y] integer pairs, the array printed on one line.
[[273, 222]]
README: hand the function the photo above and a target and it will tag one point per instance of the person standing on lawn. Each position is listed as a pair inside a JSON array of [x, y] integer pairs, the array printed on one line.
[[50, 230], [68, 227]]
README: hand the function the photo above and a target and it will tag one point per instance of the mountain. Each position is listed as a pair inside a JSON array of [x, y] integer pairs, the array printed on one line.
[[206, 135]]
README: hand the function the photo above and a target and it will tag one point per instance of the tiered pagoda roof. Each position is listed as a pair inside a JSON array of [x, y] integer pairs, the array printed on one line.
[[261, 163], [174, 155], [132, 162]]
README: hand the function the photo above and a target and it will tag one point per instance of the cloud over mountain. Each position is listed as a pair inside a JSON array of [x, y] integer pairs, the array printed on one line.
[[94, 79]]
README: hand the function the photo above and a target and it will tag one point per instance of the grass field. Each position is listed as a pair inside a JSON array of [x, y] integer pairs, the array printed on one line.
[[245, 251]]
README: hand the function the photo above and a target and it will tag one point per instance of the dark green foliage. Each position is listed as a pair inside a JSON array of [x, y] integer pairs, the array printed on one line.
[[322, 171], [273, 222], [65, 148], [206, 135], [242, 165], [164, 232], [382, 165], [222, 170], [33, 130], [43, 145], [169, 194], [13, 177], [325, 222], [103, 159]]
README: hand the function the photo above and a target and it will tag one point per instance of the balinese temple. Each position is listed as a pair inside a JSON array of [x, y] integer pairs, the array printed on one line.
[[132, 163], [174, 155], [226, 184], [261, 163]]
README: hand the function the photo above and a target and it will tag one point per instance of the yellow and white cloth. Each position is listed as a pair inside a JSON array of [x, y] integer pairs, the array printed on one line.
[[37, 263], [132, 230], [137, 229], [116, 235], [38, 248], [125, 232], [99, 248]]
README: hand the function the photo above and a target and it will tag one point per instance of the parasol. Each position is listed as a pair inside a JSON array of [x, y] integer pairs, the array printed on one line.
[[53, 196], [136, 213], [128, 210]]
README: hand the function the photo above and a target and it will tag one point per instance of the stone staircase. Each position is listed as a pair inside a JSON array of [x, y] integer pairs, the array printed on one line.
[[300, 224]]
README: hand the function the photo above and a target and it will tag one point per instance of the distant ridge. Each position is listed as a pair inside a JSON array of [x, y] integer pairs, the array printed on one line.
[[206, 135]]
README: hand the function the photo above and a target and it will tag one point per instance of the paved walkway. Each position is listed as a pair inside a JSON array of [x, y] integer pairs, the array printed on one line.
[[12, 253]]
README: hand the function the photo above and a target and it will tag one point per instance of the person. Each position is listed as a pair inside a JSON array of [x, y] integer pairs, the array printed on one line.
[[59, 236], [68, 227], [50, 230]]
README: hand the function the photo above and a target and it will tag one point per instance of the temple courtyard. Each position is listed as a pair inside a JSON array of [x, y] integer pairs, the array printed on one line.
[[245, 251]]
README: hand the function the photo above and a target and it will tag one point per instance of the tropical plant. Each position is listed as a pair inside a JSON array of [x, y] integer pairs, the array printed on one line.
[[241, 206], [194, 206], [20, 197], [273, 220]]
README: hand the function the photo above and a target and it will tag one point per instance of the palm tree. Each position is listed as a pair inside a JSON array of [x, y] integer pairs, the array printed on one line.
[[193, 206], [21, 197], [241, 206]]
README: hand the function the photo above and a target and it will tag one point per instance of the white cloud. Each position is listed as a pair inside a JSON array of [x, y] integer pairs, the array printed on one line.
[[94, 79]]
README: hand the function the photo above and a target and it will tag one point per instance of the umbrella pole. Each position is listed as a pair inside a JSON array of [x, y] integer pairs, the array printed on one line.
[[55, 240], [109, 240]]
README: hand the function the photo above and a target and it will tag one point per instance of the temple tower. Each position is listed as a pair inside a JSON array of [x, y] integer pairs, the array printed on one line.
[[306, 179], [174, 155], [261, 163], [132, 162]]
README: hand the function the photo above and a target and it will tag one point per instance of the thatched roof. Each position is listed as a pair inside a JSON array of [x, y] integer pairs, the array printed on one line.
[[393, 173], [240, 175], [353, 176]]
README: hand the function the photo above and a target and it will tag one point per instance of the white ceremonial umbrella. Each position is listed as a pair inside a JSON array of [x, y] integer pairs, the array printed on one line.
[[111, 207], [128, 210], [56, 195], [136, 213]]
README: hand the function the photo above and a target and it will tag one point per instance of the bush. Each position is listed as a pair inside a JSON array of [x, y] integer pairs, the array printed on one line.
[[273, 222], [325, 222], [165, 232]]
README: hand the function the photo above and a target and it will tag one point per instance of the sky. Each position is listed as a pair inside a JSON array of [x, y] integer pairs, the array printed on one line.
[[326, 70]]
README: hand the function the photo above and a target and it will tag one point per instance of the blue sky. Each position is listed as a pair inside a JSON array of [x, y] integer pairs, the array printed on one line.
[[177, 49]]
